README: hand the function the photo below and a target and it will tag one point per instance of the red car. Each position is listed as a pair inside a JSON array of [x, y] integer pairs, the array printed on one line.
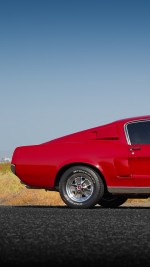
[[103, 165]]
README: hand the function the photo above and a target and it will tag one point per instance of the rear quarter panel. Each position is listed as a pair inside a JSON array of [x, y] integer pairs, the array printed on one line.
[[38, 165]]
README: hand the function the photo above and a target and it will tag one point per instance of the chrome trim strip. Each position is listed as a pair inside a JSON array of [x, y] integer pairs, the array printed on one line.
[[128, 190], [126, 134]]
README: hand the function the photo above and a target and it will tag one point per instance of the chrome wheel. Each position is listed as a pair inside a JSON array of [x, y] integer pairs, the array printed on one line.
[[79, 188]]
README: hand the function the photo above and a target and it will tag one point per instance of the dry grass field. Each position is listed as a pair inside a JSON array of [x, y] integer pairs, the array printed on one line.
[[12, 192]]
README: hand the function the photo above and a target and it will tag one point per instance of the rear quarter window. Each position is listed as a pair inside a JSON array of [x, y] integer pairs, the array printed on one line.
[[138, 132]]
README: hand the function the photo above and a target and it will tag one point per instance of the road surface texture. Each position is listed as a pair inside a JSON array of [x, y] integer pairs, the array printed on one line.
[[60, 236]]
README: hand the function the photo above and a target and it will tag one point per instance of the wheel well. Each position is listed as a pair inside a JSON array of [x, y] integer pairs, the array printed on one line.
[[66, 167]]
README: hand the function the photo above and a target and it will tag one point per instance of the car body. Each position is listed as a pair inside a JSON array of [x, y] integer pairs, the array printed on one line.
[[103, 165]]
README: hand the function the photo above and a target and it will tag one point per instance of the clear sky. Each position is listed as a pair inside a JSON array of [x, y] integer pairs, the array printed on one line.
[[69, 65]]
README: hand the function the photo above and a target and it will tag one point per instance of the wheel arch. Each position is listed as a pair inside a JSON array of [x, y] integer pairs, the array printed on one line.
[[66, 167]]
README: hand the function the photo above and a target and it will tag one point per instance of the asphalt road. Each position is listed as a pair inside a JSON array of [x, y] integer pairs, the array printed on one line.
[[55, 236]]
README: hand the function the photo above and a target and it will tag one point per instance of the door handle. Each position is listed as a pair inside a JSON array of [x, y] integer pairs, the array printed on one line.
[[135, 148]]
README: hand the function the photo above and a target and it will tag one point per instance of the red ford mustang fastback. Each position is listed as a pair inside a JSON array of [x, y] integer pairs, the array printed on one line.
[[103, 165]]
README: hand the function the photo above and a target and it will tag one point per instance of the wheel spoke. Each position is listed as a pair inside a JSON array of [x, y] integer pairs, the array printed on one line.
[[78, 180], [87, 192], [78, 195]]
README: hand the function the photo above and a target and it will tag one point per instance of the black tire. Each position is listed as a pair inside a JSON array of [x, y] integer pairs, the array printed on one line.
[[81, 187], [111, 201]]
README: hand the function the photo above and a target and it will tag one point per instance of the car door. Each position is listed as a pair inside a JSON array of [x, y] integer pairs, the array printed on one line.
[[138, 133]]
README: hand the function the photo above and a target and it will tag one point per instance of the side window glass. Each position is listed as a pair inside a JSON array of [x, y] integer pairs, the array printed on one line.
[[139, 132]]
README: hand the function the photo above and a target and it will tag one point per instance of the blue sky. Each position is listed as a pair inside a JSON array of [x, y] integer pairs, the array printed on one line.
[[69, 65]]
